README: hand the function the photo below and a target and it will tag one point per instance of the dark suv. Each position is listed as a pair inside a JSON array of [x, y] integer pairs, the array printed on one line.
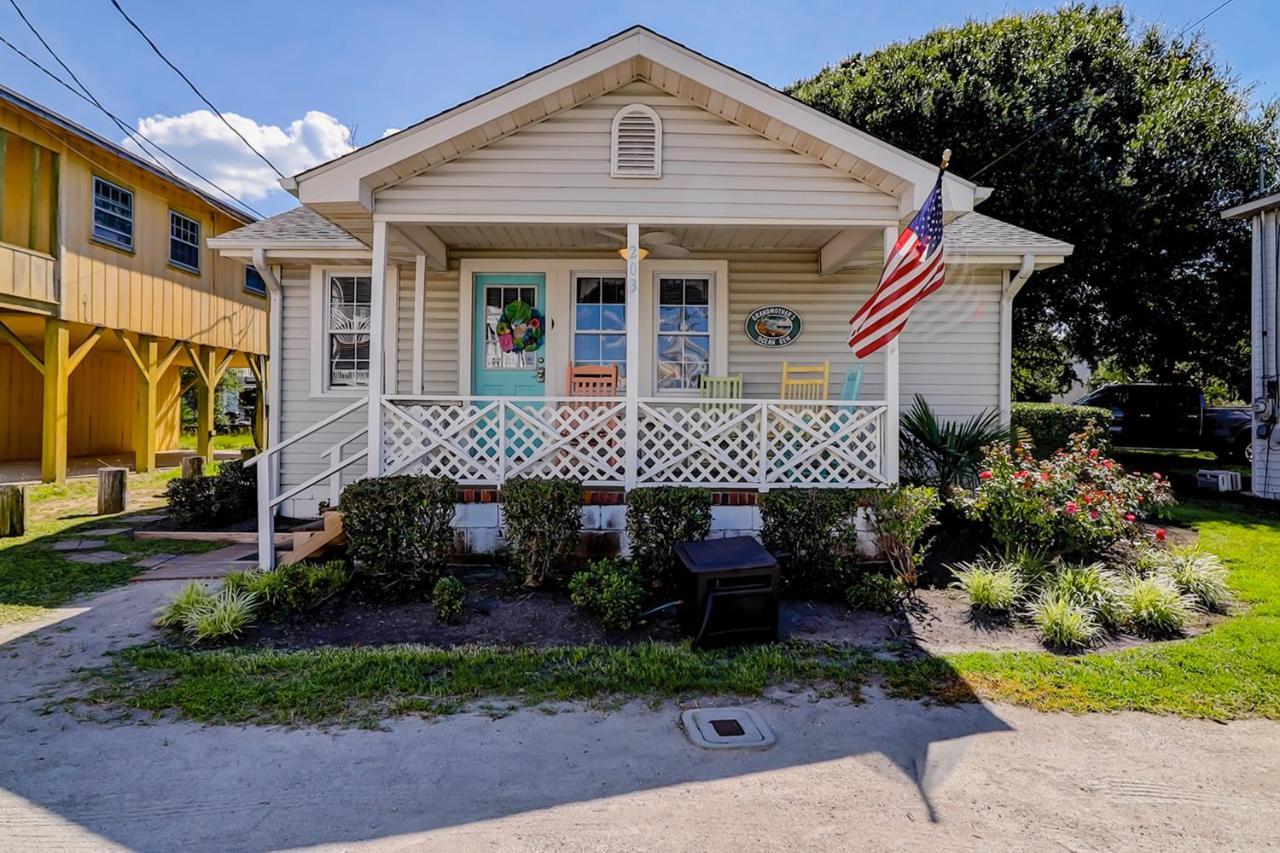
[[1150, 414]]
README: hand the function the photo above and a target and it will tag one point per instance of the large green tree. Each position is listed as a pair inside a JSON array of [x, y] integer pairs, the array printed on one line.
[[1138, 140]]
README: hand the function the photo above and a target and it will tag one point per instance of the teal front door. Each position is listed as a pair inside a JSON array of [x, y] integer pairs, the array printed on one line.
[[495, 373]]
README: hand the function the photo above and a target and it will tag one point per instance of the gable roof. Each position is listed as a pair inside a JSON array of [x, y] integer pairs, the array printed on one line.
[[635, 53], [976, 233], [65, 124]]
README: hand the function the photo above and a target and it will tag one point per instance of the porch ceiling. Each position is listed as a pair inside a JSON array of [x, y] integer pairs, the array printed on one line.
[[588, 237]]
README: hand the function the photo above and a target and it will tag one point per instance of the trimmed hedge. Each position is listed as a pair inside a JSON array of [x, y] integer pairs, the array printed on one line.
[[399, 529], [207, 502], [1049, 425], [658, 518], [544, 524], [815, 531]]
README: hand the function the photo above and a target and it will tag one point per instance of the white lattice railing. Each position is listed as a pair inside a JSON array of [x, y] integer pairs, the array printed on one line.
[[716, 443]]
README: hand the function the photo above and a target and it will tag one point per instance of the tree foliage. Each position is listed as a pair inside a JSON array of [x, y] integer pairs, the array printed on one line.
[[1147, 140]]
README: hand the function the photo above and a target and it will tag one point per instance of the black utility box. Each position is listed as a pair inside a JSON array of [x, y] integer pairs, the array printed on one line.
[[729, 589]]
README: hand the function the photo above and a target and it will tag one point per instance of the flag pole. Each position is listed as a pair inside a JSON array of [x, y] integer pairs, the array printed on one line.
[[946, 160]]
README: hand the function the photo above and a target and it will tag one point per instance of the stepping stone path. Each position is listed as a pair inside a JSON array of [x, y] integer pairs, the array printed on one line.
[[78, 544], [94, 558], [106, 531], [155, 560]]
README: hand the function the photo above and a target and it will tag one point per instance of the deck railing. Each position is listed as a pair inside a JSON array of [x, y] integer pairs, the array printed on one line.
[[678, 441]]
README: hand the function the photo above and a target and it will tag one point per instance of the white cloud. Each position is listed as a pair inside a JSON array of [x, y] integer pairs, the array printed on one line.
[[202, 140], [389, 131]]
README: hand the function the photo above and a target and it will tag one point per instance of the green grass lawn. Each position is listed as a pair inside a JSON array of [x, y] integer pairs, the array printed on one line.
[[221, 441], [1232, 671], [34, 578]]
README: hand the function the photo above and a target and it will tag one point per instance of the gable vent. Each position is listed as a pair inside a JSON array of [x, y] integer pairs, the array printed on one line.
[[636, 143]]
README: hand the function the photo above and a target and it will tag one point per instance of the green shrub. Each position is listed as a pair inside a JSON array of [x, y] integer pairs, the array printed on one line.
[[1092, 587], [1049, 426], [399, 529], [1062, 623], [543, 524], [946, 453], [1201, 576], [172, 615], [228, 496], [659, 518], [814, 533], [612, 590], [875, 592], [992, 587], [222, 616], [448, 597], [1078, 502], [1154, 606], [899, 517]]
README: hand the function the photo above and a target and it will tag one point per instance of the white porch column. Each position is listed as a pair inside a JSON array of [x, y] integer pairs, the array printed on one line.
[[891, 387], [419, 318], [377, 334], [633, 354]]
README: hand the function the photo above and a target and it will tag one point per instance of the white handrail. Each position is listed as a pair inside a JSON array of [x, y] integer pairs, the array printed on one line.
[[336, 469], [335, 481], [311, 430]]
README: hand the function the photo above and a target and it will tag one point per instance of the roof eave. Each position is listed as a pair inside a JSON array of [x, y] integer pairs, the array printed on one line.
[[1249, 208]]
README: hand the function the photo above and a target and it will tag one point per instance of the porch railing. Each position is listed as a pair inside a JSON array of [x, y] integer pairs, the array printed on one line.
[[678, 441]]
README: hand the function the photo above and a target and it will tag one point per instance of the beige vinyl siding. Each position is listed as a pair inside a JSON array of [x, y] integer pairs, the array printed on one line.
[[710, 168], [1266, 231]]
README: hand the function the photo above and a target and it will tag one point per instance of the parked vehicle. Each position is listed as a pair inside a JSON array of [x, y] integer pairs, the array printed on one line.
[[1150, 414]]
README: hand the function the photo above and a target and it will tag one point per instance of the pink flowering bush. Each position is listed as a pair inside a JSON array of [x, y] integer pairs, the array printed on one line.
[[1077, 501]]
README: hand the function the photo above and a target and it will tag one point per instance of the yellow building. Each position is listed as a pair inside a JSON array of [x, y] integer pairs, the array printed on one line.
[[107, 288]]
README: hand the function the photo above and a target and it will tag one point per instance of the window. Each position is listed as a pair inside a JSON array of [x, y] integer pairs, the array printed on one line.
[[350, 297], [112, 214], [600, 322], [636, 143], [496, 298], [684, 332], [253, 282], [184, 242]]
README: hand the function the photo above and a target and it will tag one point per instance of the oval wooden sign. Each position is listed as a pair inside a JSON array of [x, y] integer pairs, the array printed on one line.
[[773, 326]]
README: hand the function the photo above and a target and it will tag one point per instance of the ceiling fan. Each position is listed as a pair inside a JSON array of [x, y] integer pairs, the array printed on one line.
[[661, 244]]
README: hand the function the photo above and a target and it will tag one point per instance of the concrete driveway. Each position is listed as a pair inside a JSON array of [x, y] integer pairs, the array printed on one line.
[[884, 775]]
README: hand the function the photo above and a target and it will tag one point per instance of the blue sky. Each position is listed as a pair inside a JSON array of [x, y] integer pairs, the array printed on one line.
[[302, 74]]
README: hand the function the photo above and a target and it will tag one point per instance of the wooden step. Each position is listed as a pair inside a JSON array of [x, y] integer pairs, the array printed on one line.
[[314, 540]]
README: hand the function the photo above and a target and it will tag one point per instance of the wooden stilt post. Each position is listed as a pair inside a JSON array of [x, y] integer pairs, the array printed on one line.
[[144, 416], [57, 354], [13, 511], [113, 490], [258, 366], [206, 400]]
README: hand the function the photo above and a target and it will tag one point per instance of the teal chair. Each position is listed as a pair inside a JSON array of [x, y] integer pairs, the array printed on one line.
[[852, 382]]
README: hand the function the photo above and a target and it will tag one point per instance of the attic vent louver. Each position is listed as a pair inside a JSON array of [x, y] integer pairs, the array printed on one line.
[[637, 143]]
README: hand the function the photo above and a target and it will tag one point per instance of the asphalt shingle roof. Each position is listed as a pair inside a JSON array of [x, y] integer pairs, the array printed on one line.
[[300, 225], [975, 231]]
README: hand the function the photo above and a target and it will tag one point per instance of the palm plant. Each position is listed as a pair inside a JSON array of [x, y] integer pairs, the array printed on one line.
[[942, 453]]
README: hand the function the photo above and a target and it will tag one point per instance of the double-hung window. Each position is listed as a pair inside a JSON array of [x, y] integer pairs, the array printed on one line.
[[600, 322], [347, 331], [684, 332], [184, 242], [112, 214]]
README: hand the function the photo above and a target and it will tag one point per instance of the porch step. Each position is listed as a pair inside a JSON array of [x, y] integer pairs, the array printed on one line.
[[314, 538]]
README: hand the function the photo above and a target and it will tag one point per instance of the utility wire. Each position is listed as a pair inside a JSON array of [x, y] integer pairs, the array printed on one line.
[[1078, 107], [200, 94], [136, 135]]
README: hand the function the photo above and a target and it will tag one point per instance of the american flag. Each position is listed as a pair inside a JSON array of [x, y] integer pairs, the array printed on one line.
[[913, 271]]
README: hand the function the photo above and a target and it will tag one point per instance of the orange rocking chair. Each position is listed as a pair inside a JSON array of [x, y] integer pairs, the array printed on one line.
[[592, 380]]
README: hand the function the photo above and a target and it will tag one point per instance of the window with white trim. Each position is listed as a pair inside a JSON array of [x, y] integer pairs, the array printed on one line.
[[112, 214], [636, 143], [347, 332], [684, 332], [184, 242], [600, 322]]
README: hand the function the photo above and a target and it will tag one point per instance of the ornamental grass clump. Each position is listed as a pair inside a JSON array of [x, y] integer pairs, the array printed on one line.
[[201, 616], [1091, 586], [1076, 503], [1201, 576], [1153, 606], [991, 587], [1063, 623]]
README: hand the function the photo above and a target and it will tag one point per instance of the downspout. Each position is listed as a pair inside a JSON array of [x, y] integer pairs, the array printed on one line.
[[275, 325], [1010, 290]]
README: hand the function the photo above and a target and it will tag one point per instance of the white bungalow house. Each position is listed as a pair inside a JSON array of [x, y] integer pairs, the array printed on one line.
[[389, 283]]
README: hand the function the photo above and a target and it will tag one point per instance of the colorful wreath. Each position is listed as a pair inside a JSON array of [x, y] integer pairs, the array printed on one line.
[[520, 328]]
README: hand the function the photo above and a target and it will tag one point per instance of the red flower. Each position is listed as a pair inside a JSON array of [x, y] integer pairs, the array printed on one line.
[[1156, 476], [1044, 475], [1160, 534], [1093, 454], [1108, 464], [1128, 516], [1093, 514], [985, 475], [1071, 507]]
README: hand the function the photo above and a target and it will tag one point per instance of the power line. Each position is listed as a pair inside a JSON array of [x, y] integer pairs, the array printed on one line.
[[200, 94], [136, 135], [1078, 107]]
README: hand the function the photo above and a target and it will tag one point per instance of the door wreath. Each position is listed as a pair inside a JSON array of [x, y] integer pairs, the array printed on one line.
[[520, 328]]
